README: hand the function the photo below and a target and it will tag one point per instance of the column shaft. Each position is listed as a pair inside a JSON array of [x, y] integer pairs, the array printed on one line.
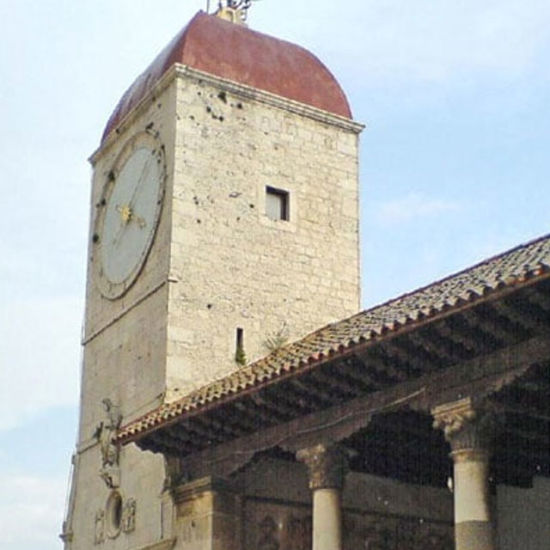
[[470, 430], [473, 526], [327, 519], [327, 466]]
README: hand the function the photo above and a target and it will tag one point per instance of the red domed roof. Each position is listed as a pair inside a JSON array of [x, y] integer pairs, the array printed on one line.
[[213, 45]]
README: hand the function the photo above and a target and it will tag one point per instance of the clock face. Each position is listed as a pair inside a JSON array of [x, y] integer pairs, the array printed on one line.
[[131, 209]]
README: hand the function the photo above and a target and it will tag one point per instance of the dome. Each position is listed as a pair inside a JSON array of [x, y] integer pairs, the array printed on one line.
[[235, 52]]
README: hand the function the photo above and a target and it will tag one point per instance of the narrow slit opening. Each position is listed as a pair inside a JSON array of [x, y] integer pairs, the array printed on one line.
[[240, 356]]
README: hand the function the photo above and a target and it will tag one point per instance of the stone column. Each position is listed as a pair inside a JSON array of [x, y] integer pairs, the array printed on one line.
[[470, 432], [327, 466]]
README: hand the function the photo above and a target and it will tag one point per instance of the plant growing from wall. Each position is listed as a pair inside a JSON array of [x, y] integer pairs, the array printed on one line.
[[240, 356], [277, 339]]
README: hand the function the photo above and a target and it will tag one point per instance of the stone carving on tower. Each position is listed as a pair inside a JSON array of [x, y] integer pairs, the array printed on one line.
[[99, 527], [187, 265], [128, 520], [105, 433]]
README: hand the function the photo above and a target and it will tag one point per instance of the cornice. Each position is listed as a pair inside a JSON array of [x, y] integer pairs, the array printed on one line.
[[241, 90]]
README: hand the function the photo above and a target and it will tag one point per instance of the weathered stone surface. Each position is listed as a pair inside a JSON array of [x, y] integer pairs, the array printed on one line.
[[217, 263], [327, 466]]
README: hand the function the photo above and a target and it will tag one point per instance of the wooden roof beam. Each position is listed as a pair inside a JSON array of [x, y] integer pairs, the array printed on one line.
[[262, 412], [276, 398], [373, 372], [320, 397], [484, 374], [163, 443], [396, 353], [431, 341], [464, 338], [490, 321], [536, 295], [521, 313], [338, 379]]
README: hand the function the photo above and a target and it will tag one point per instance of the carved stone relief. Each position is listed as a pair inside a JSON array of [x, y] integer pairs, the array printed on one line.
[[99, 527], [466, 426], [117, 516], [327, 466], [268, 539], [299, 530], [369, 532], [128, 522], [289, 527], [110, 452]]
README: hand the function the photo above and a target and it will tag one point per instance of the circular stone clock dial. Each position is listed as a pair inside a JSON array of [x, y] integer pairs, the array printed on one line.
[[130, 217]]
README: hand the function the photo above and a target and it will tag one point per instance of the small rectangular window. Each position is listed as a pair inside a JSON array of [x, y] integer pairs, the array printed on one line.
[[276, 204]]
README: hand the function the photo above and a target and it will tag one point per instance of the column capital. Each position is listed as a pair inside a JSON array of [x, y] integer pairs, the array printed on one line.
[[469, 428], [327, 465]]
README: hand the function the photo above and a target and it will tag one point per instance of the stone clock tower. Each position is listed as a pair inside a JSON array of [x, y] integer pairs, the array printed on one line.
[[224, 222]]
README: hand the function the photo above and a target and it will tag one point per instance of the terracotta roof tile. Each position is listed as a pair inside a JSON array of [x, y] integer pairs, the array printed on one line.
[[514, 267]]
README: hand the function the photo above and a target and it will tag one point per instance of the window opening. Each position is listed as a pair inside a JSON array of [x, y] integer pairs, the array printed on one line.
[[240, 356], [276, 204]]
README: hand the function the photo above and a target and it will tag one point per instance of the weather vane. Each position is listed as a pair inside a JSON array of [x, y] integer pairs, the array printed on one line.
[[233, 10]]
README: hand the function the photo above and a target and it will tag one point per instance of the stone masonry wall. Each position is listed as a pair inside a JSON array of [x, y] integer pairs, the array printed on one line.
[[125, 350], [124, 360], [233, 267], [216, 263]]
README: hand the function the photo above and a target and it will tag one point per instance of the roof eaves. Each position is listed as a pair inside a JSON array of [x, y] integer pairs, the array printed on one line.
[[335, 339]]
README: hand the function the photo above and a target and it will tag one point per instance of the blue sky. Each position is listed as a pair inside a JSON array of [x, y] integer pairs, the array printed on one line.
[[454, 168]]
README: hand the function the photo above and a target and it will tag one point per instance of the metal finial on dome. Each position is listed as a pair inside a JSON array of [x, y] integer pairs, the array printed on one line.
[[235, 11]]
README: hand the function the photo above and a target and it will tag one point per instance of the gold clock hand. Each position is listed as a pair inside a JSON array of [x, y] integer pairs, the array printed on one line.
[[127, 215]]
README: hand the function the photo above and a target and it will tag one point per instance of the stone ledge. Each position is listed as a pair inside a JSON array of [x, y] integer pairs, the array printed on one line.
[[242, 90], [191, 490], [167, 544]]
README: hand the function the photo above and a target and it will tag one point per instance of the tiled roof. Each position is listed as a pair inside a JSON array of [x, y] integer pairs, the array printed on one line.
[[513, 268]]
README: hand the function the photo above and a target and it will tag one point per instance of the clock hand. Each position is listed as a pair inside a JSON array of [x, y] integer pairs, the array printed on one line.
[[119, 232], [126, 211], [137, 187], [127, 215]]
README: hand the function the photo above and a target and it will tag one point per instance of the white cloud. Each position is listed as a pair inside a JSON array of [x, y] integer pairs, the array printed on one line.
[[411, 207], [30, 511], [39, 357]]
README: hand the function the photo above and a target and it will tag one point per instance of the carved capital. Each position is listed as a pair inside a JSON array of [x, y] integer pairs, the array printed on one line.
[[466, 427], [327, 466]]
